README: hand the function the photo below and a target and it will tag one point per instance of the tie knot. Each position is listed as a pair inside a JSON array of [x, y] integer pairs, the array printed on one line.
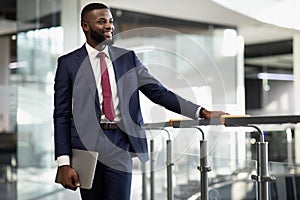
[[101, 55]]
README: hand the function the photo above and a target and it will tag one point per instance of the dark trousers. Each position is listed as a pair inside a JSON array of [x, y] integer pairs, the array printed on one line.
[[109, 184], [113, 174]]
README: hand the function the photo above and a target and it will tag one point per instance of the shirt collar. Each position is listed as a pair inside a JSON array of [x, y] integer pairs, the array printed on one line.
[[92, 52]]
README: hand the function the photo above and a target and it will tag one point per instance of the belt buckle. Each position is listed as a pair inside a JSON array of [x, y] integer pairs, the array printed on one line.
[[104, 125], [109, 126]]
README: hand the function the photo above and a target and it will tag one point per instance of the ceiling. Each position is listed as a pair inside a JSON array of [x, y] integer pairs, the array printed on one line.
[[7, 16], [253, 31], [8, 9]]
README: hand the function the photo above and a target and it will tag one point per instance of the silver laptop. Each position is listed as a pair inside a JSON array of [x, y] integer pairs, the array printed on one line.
[[84, 163]]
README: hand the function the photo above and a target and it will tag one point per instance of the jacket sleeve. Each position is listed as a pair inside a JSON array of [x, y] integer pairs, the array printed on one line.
[[62, 109]]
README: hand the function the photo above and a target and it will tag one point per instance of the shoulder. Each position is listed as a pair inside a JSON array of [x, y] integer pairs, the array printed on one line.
[[74, 53], [119, 51]]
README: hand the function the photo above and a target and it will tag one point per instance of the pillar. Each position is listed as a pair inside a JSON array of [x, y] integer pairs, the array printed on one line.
[[4, 81], [70, 21], [296, 64], [4, 59]]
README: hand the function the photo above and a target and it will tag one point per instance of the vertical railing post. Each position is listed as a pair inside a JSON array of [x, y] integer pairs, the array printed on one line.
[[144, 182], [169, 170], [262, 178], [262, 170], [204, 169], [152, 189]]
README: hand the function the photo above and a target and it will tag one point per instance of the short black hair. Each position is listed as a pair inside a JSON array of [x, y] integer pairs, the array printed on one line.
[[92, 6]]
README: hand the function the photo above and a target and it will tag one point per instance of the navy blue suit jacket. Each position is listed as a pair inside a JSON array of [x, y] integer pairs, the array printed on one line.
[[77, 110]]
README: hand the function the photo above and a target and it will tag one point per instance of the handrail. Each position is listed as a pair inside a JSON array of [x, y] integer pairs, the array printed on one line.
[[237, 121], [228, 121]]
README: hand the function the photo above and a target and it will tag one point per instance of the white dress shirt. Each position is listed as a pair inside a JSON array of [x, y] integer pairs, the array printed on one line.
[[95, 62]]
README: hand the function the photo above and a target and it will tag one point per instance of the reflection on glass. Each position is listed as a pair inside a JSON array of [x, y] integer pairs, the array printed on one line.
[[33, 75]]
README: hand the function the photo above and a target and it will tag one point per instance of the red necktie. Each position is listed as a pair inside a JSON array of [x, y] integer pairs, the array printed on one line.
[[107, 105]]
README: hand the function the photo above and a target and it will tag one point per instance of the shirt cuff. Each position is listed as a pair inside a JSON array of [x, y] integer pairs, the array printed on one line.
[[63, 160], [198, 112]]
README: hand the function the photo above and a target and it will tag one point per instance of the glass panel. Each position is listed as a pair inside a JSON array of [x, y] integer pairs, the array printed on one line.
[[195, 60], [39, 43], [8, 137], [192, 65], [38, 51], [226, 180], [287, 184], [8, 99], [190, 57]]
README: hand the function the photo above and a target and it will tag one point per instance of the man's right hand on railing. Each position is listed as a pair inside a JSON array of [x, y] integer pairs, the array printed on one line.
[[206, 114]]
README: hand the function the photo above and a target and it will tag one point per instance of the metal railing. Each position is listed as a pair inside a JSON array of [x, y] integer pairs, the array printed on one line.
[[262, 176]]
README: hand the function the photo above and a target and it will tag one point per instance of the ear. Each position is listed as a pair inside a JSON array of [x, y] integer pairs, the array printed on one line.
[[85, 26]]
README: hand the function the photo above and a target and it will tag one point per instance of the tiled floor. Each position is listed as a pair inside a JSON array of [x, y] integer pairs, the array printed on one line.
[[38, 184], [34, 184], [8, 191]]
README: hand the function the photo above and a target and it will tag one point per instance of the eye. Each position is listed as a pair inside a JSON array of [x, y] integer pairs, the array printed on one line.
[[101, 21]]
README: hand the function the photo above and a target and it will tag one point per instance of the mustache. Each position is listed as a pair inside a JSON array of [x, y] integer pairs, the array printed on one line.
[[108, 30]]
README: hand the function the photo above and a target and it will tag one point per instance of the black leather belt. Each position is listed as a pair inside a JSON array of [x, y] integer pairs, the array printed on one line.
[[109, 126]]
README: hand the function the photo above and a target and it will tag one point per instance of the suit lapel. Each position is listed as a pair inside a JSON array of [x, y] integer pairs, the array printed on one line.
[[113, 54], [118, 65], [86, 71]]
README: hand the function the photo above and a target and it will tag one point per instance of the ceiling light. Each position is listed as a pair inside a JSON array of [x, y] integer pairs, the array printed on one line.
[[273, 76]]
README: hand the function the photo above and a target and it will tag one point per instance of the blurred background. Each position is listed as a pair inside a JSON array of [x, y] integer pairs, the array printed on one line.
[[241, 57]]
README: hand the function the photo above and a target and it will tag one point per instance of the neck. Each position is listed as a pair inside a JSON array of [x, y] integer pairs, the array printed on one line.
[[99, 47]]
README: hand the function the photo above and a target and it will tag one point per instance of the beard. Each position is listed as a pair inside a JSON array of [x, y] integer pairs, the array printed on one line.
[[100, 38]]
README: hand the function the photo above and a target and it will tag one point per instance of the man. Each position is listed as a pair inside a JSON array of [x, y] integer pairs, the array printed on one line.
[[107, 119]]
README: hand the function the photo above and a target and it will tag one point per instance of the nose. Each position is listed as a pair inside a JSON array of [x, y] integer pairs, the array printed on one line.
[[109, 25]]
